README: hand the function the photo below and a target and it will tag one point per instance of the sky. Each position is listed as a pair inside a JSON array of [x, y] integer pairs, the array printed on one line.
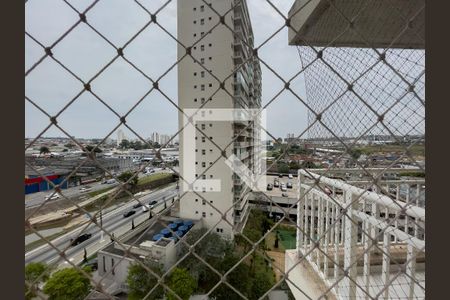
[[84, 52]]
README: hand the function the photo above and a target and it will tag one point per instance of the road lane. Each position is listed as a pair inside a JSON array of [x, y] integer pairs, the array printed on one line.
[[112, 222]]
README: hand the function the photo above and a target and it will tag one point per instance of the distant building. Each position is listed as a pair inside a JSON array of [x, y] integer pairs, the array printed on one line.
[[120, 137], [155, 137]]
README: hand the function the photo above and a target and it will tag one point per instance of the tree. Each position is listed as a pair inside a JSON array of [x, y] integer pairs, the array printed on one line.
[[33, 272], [355, 153], [239, 278], [124, 144], [90, 147], [44, 150], [308, 165], [261, 283], [125, 176], [141, 281], [182, 283], [283, 168], [68, 283]]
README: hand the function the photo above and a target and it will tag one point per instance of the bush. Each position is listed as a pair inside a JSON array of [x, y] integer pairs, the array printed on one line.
[[68, 284]]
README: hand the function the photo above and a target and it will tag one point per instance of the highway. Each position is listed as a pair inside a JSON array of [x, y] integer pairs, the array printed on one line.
[[113, 222], [36, 199]]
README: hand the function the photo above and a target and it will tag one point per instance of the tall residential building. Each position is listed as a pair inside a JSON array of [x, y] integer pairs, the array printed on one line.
[[164, 139], [120, 136], [155, 137], [227, 54]]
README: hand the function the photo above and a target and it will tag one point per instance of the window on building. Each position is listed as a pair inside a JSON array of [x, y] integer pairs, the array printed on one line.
[[202, 74], [209, 17], [196, 162], [211, 200], [195, 22], [195, 99], [202, 21], [210, 85], [203, 164], [195, 73], [196, 175], [210, 176], [210, 58], [202, 8], [203, 202], [203, 214], [203, 139], [210, 214], [203, 151], [112, 266], [210, 125], [203, 100], [210, 163], [202, 47], [195, 34], [196, 200], [104, 264], [210, 150], [202, 33], [196, 212], [203, 126], [202, 87], [202, 60], [203, 176], [195, 8], [195, 86]]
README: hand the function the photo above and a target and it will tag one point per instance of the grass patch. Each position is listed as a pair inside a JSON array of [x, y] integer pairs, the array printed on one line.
[[98, 192], [153, 177]]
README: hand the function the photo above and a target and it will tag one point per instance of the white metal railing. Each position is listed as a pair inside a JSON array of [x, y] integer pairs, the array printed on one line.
[[369, 236]]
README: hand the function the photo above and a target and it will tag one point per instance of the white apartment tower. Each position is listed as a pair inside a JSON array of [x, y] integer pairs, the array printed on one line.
[[228, 55], [120, 136]]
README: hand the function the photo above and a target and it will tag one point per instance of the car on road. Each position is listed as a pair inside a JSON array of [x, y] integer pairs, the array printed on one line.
[[109, 181], [269, 187], [152, 204], [289, 185], [283, 187], [280, 175], [290, 176], [80, 239], [137, 205], [52, 196], [145, 208], [85, 189], [129, 213], [276, 183], [284, 194]]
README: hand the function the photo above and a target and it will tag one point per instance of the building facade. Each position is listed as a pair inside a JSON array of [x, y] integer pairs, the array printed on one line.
[[220, 73]]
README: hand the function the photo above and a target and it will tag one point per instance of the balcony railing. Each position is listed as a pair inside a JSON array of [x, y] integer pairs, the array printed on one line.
[[367, 234]]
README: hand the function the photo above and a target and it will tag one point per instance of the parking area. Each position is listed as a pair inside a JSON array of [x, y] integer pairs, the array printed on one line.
[[277, 192]]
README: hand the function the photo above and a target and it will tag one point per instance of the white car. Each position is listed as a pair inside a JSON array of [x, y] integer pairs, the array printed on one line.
[[52, 196], [145, 208], [85, 189], [290, 176]]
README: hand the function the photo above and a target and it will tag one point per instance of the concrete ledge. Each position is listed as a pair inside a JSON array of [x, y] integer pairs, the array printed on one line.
[[383, 23]]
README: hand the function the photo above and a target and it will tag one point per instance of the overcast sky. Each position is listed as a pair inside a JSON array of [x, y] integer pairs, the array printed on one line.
[[85, 53]]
